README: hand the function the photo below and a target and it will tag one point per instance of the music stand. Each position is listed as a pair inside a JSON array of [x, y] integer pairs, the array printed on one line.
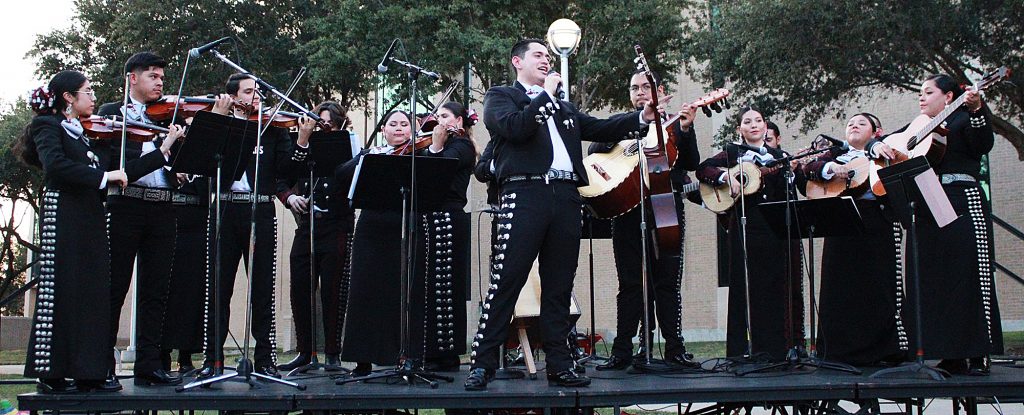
[[831, 216], [381, 182], [325, 154], [909, 186], [593, 228], [215, 141]]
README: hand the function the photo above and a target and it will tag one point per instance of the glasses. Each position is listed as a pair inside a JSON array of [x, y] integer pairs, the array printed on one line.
[[90, 93], [644, 87]]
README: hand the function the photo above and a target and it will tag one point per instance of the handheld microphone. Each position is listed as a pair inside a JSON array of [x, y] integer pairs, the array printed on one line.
[[382, 67], [195, 52], [559, 93], [843, 145], [759, 150]]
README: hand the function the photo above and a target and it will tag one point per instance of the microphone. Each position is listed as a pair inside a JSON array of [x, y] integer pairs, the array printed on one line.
[[195, 52], [843, 145], [382, 67], [759, 150], [559, 93]]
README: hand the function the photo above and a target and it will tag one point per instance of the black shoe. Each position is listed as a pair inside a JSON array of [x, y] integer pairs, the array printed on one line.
[[478, 378], [157, 377], [362, 369], [953, 366], [410, 364], [976, 366], [567, 378], [301, 360], [104, 385], [333, 360], [683, 360], [268, 370], [56, 386], [111, 383], [615, 363], [205, 372], [184, 370]]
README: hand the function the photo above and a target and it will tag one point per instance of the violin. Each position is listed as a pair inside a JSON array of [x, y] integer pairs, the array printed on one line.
[[163, 108], [425, 139], [103, 128]]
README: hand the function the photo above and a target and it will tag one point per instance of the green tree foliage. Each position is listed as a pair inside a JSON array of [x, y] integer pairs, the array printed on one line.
[[341, 41], [19, 187], [104, 33], [809, 59]]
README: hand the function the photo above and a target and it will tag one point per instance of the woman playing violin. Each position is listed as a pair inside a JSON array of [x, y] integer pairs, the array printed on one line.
[[772, 291], [72, 314], [861, 278], [437, 302]]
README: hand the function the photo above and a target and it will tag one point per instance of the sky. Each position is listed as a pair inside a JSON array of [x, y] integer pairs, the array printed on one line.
[[22, 21]]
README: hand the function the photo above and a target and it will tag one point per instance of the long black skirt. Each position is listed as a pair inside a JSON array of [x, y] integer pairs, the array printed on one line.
[[959, 311], [72, 316], [437, 299], [862, 291], [776, 309]]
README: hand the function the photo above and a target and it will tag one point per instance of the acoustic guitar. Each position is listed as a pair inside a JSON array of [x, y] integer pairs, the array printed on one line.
[[923, 137], [719, 199], [614, 176], [853, 184]]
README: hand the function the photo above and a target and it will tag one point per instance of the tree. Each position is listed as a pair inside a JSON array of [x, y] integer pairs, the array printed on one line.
[[104, 33], [445, 36], [807, 59], [20, 187]]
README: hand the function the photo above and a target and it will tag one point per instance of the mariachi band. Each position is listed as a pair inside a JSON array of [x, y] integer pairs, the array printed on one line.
[[106, 207]]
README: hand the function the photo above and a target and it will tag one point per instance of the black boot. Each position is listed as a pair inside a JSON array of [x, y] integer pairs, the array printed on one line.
[[615, 363], [977, 366]]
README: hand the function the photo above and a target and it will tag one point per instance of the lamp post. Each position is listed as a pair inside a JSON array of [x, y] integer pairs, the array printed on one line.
[[563, 38]]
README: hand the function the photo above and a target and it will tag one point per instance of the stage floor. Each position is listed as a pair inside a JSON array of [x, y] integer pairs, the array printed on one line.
[[609, 389]]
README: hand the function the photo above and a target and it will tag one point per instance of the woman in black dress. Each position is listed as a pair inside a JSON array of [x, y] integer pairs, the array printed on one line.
[[372, 325], [861, 275], [774, 327], [448, 239], [73, 301], [961, 323]]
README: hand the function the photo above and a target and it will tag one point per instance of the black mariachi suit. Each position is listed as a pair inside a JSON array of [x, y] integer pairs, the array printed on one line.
[[665, 272], [143, 229], [332, 241], [276, 160], [772, 330], [959, 311], [184, 332], [538, 216], [72, 318]]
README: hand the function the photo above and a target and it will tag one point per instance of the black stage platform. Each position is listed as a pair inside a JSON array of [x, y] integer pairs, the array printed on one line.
[[617, 389]]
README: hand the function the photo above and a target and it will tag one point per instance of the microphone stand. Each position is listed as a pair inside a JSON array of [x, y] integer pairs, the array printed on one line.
[[245, 366], [797, 356], [408, 370]]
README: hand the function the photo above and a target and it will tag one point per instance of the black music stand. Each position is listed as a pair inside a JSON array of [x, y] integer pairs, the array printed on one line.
[[215, 141], [593, 228], [911, 202], [831, 216], [327, 150], [381, 182]]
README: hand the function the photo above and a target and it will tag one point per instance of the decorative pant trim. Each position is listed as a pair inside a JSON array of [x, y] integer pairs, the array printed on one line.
[[343, 287], [901, 331], [42, 327], [273, 301], [981, 238], [440, 260], [207, 279], [508, 206]]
